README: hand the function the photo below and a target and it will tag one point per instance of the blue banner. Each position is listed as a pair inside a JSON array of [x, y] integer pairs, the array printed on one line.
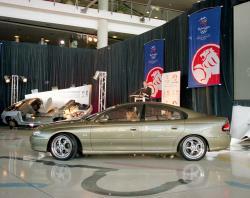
[[153, 66], [204, 48]]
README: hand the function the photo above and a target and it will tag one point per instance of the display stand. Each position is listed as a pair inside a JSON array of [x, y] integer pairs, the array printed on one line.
[[139, 98]]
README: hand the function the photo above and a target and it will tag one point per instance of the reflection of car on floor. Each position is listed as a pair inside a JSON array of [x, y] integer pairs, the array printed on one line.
[[32, 112], [95, 178], [145, 127]]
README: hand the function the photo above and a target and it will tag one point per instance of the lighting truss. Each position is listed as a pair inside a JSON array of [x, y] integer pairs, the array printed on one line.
[[14, 89], [14, 80], [102, 76]]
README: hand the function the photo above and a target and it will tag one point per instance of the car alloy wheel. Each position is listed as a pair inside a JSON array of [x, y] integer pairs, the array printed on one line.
[[193, 148], [63, 147]]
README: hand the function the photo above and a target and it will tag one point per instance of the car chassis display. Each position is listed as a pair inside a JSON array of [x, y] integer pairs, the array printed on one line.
[[30, 112]]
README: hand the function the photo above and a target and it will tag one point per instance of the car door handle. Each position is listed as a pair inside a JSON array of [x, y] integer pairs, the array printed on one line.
[[133, 129], [174, 128]]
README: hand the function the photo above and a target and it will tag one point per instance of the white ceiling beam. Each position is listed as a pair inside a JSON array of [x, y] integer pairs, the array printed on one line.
[[70, 15]]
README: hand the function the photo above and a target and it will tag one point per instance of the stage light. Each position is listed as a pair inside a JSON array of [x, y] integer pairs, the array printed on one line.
[[17, 38], [61, 43], [5, 173], [90, 38], [24, 79], [22, 174], [7, 79], [97, 73], [14, 81]]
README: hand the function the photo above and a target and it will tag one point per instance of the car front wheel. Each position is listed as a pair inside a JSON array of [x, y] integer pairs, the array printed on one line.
[[12, 123], [193, 148], [63, 147]]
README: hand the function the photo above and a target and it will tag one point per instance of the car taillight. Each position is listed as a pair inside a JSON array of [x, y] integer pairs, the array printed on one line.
[[226, 126]]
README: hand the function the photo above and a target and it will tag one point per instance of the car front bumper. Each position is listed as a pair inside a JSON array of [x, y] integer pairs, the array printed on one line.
[[39, 143]]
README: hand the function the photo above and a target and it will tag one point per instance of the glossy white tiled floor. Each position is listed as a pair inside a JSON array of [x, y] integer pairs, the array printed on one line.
[[25, 173]]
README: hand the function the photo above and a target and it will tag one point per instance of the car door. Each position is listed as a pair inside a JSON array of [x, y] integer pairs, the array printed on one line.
[[116, 130], [162, 126]]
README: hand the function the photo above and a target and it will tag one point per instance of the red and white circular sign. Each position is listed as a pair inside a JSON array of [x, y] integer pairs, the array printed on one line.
[[154, 79], [206, 65]]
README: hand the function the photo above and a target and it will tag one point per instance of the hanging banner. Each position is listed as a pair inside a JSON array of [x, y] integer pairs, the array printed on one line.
[[153, 66], [171, 85], [204, 48]]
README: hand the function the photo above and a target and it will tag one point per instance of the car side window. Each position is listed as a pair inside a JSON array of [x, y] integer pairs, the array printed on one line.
[[127, 113], [154, 113]]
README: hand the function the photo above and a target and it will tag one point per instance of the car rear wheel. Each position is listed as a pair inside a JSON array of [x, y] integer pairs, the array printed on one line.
[[12, 123], [63, 147], [193, 148]]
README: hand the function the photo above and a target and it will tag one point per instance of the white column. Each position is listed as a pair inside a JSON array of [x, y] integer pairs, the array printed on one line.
[[103, 5], [102, 33], [102, 30]]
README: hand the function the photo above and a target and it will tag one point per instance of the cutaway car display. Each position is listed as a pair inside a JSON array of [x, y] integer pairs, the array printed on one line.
[[32, 112], [143, 127]]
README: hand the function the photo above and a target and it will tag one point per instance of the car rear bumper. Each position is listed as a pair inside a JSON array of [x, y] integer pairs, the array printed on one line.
[[219, 143]]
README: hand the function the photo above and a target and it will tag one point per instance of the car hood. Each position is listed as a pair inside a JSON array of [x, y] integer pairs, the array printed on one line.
[[63, 125]]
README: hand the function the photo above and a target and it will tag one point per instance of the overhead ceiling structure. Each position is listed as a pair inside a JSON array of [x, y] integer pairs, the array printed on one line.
[[181, 5], [29, 31], [33, 32]]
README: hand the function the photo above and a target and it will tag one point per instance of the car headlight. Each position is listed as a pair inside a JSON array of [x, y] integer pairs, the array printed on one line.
[[36, 133]]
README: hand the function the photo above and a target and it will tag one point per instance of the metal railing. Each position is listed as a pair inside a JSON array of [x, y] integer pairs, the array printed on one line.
[[127, 7]]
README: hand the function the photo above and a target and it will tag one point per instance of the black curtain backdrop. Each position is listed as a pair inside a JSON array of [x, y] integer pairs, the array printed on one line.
[[44, 67], [125, 65], [47, 66]]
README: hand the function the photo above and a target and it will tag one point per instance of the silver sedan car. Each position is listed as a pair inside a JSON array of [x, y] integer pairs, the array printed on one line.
[[146, 127]]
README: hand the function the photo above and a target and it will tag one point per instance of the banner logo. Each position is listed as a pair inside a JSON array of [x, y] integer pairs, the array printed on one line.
[[203, 25], [153, 52], [154, 80], [206, 64]]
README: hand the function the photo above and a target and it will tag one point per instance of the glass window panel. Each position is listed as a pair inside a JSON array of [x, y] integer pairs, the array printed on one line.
[[125, 113], [154, 113]]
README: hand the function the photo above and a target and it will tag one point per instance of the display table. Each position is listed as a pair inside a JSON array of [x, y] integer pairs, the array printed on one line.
[[138, 98]]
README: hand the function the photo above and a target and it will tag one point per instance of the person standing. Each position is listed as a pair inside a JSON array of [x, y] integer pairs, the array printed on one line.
[[146, 90]]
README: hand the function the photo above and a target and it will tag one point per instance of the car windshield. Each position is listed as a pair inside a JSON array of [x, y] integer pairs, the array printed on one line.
[[91, 117]]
